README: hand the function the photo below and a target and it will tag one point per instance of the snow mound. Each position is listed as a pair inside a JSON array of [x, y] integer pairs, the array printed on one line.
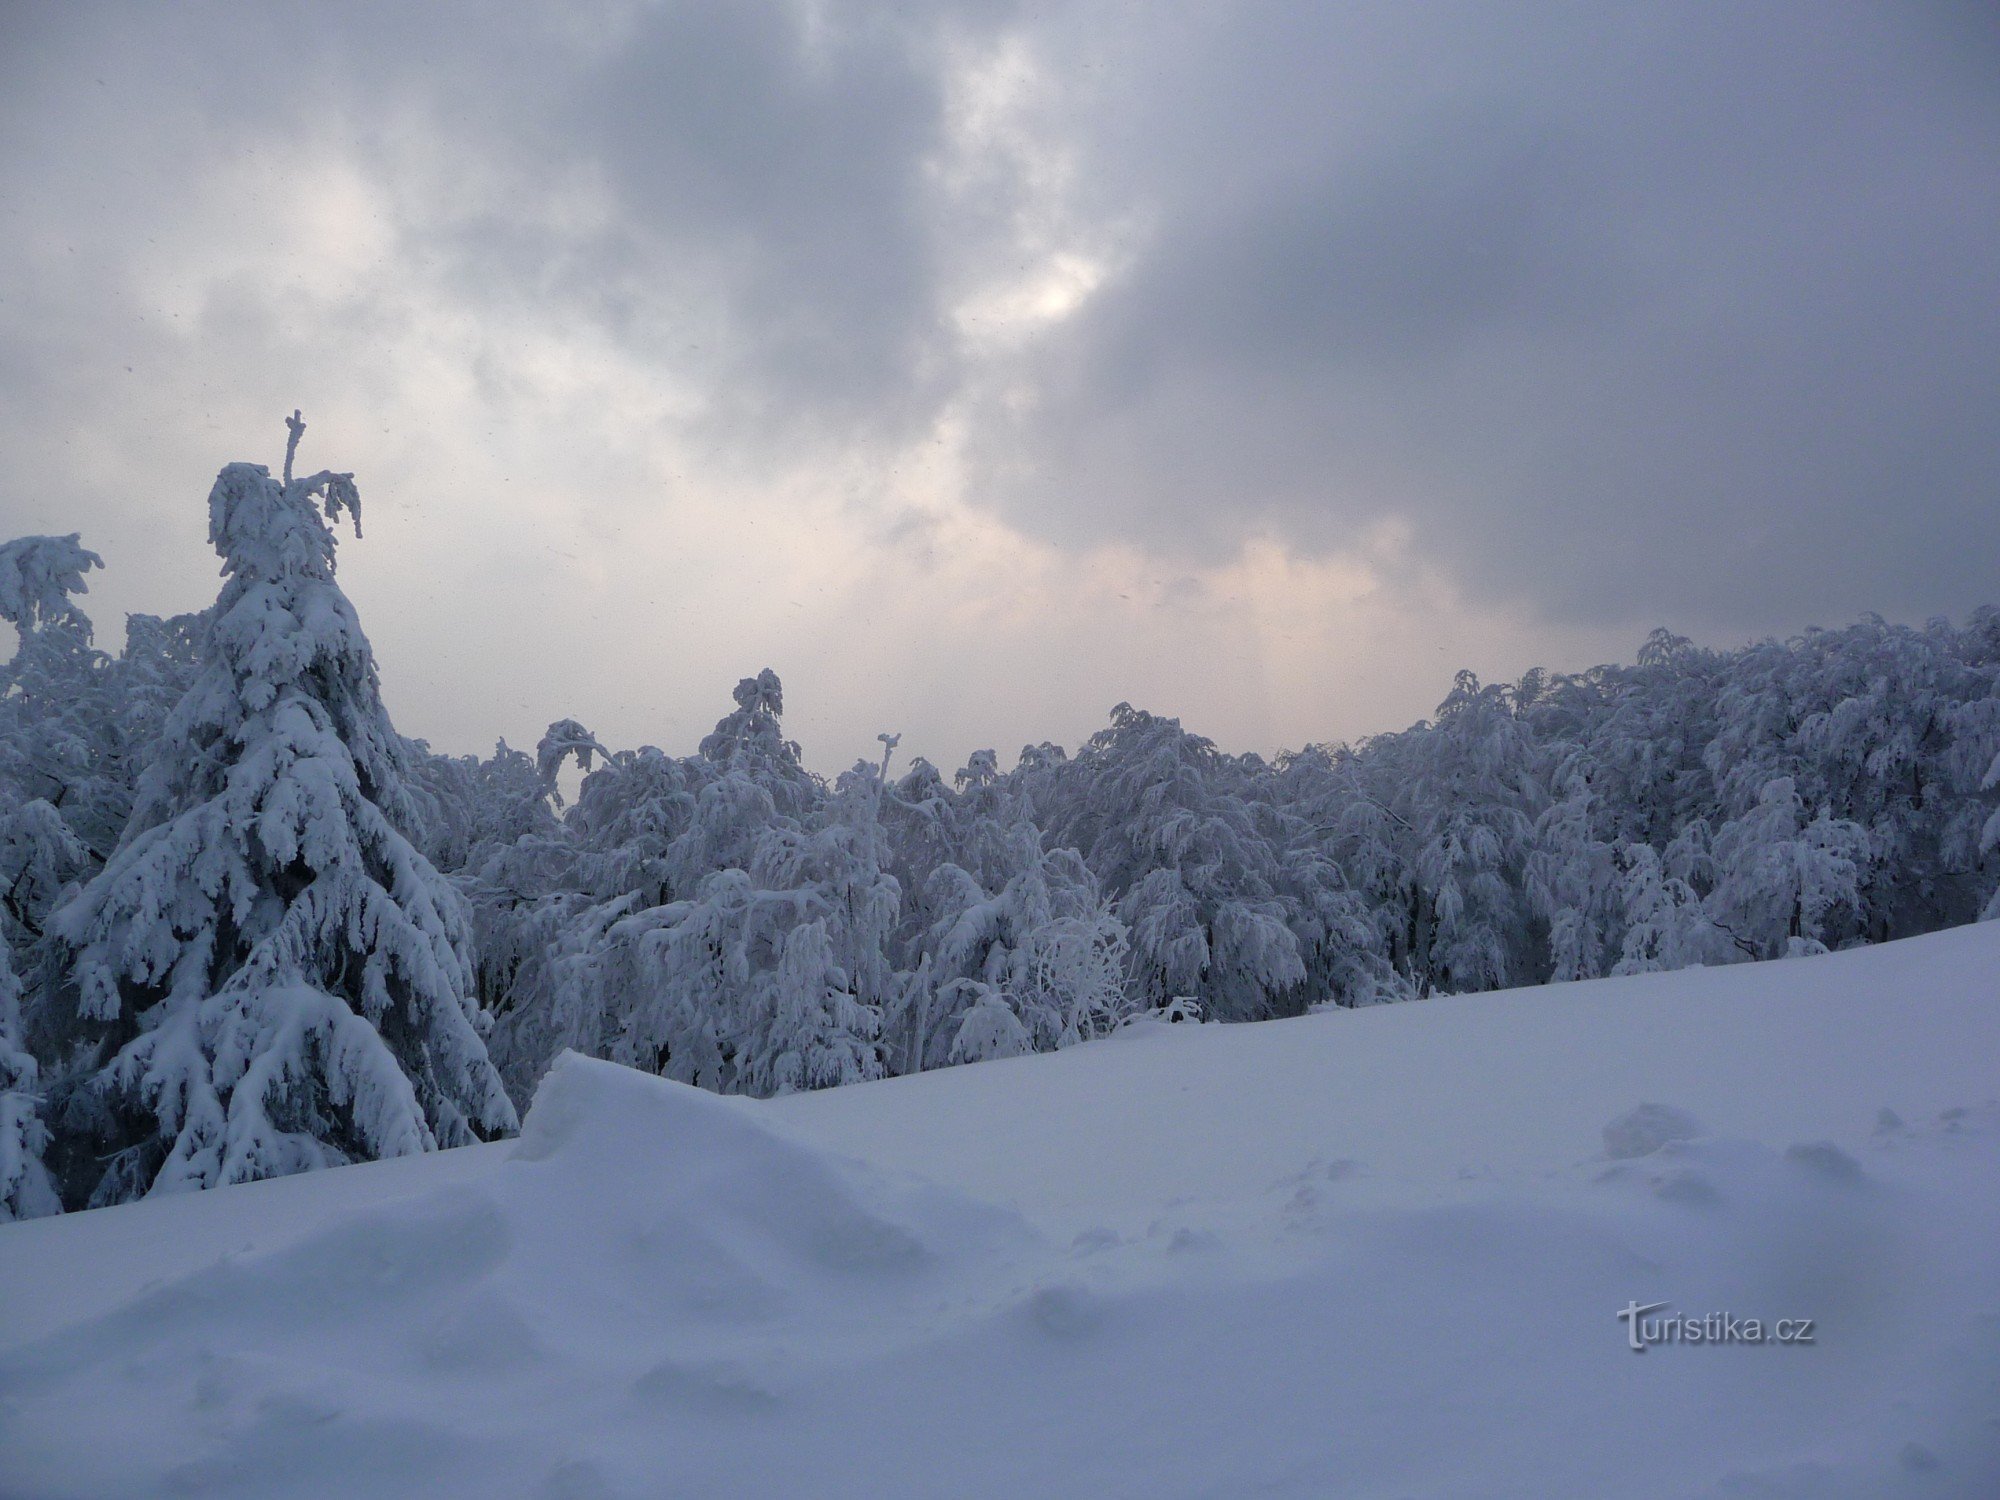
[[1642, 1131], [703, 1178], [641, 1238]]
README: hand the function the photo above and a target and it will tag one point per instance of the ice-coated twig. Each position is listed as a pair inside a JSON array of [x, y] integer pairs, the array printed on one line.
[[296, 427]]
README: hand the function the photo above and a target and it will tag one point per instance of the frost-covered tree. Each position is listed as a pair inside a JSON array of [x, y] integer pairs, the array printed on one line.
[[925, 820], [1573, 883], [40, 857], [38, 574], [750, 743], [545, 903], [60, 731], [773, 971], [1021, 950], [1665, 924], [1470, 801], [725, 922], [1885, 727], [64, 792], [1894, 730], [1637, 734], [26, 1190], [468, 806], [492, 826], [276, 978], [1342, 794], [150, 677], [1781, 877], [1193, 864], [624, 847]]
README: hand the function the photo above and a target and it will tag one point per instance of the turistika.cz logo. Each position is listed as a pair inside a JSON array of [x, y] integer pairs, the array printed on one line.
[[1642, 1331]]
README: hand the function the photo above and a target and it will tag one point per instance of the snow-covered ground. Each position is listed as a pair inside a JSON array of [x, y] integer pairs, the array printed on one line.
[[1375, 1253]]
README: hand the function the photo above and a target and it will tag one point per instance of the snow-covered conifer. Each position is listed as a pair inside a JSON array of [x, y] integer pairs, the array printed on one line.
[[751, 742], [37, 576], [730, 925], [26, 1191], [279, 980], [59, 713]]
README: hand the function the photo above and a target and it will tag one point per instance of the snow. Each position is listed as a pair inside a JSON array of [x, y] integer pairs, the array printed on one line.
[[1373, 1253], [270, 977], [1642, 1131]]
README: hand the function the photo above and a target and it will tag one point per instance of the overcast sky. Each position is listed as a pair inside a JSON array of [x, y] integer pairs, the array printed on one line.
[[980, 366]]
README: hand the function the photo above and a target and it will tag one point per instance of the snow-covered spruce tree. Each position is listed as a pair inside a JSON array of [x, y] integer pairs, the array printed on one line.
[[150, 677], [40, 858], [37, 576], [751, 742], [41, 862], [63, 797], [26, 1191], [60, 731], [280, 980]]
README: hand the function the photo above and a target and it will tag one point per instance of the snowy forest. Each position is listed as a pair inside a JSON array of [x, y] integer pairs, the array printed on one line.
[[250, 930]]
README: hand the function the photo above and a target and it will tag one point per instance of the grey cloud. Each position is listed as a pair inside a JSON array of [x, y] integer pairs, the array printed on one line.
[[790, 169], [1279, 356], [772, 228], [1632, 314], [1687, 314]]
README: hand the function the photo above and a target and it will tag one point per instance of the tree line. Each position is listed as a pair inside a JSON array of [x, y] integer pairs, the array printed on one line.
[[248, 929]]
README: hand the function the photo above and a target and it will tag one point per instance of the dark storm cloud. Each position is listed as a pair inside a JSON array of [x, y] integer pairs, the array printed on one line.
[[791, 172], [771, 222], [1685, 313], [1627, 313], [740, 193]]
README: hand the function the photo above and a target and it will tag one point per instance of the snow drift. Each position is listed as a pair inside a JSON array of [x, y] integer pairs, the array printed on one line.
[[1362, 1253]]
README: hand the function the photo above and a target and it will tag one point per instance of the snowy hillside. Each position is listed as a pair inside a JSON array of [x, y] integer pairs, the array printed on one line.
[[1368, 1253]]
